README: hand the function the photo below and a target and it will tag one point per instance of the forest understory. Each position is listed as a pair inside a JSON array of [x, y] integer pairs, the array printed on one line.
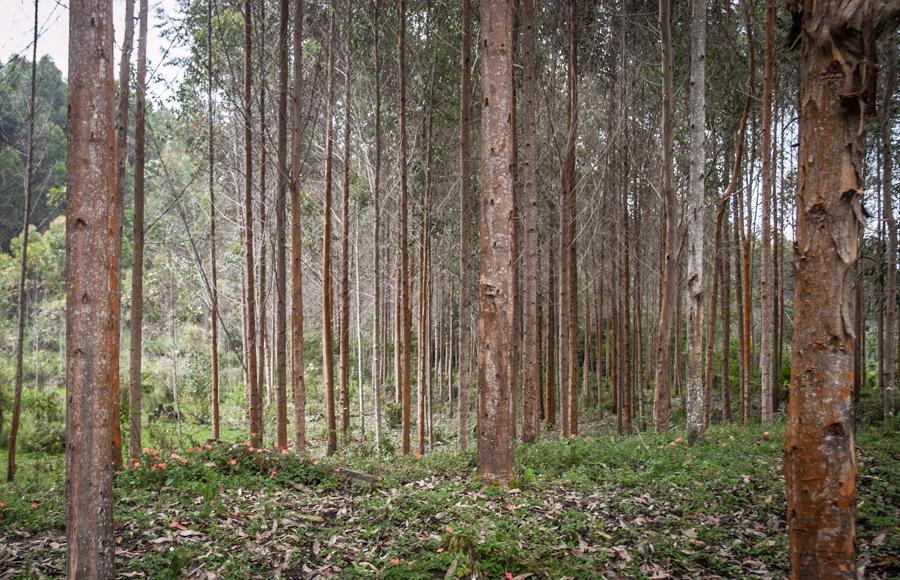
[[645, 506]]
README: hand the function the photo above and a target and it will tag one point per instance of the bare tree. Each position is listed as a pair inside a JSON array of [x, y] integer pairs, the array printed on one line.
[[281, 185], [344, 317], [405, 312], [767, 290], [466, 211], [213, 265], [377, 367], [327, 285]]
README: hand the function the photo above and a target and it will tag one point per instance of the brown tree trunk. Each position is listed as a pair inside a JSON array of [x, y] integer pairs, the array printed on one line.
[[23, 267], [327, 285], [569, 211], [496, 325], [767, 291], [263, 341], [92, 315], [281, 179], [377, 367], [298, 380], [253, 379], [820, 462], [552, 334], [696, 220], [344, 317], [531, 422], [890, 298], [214, 275], [466, 270], [405, 287], [669, 283], [137, 267]]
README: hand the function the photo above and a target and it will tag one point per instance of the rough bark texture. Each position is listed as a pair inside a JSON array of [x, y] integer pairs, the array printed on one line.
[[92, 315], [327, 290], [466, 273], [820, 463], [23, 265], [496, 321], [669, 283], [890, 298], [696, 219], [298, 382], [344, 317], [281, 184], [255, 415], [405, 286], [377, 367], [767, 291], [531, 421], [137, 266]]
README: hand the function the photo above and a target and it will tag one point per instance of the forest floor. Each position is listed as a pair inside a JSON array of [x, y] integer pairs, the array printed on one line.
[[600, 506]]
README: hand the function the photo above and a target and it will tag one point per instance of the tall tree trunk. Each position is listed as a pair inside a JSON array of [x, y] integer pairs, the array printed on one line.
[[552, 334], [92, 315], [121, 161], [137, 266], [767, 292], [497, 224], [820, 462], [344, 318], [569, 206], [466, 270], [23, 266], [281, 186], [726, 323], [253, 379], [890, 298], [696, 220], [327, 285], [531, 421], [263, 344], [377, 367], [214, 275], [298, 380], [661, 400], [405, 286]]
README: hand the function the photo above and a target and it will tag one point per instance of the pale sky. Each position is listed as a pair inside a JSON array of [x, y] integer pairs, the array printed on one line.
[[53, 23]]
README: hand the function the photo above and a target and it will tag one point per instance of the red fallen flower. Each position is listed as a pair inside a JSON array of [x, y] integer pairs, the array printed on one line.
[[395, 561], [439, 550], [2, 504], [35, 506]]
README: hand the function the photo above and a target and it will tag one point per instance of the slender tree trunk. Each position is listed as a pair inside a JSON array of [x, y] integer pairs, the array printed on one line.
[[820, 462], [890, 299], [766, 295], [253, 379], [327, 285], [496, 375], [360, 364], [298, 380], [696, 219], [23, 266], [92, 315], [214, 275], [552, 334], [281, 185], [344, 318], [263, 344], [532, 384], [137, 267], [570, 287], [726, 324], [670, 225], [406, 313], [377, 344], [466, 270]]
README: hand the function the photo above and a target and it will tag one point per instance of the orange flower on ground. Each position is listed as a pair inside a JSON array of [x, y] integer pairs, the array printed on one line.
[[673, 444], [284, 451], [439, 550], [232, 462], [679, 439], [418, 455], [273, 473], [395, 561], [315, 462], [35, 506], [337, 469], [449, 530], [2, 504]]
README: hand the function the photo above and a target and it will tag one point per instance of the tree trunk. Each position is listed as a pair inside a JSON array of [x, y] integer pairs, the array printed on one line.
[[137, 267], [406, 313], [890, 298], [820, 462], [92, 315], [531, 422], [214, 275], [263, 342], [496, 324], [253, 379], [23, 267], [767, 292], [281, 185], [376, 194], [298, 382], [344, 318], [669, 283], [466, 270], [327, 285]]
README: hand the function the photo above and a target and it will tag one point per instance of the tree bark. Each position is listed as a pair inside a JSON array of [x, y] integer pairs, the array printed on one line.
[[344, 317], [890, 298], [92, 314], [767, 291], [23, 266], [497, 224], [661, 400], [696, 220], [327, 285], [405, 286], [281, 185], [820, 462], [376, 194], [214, 275], [466, 270]]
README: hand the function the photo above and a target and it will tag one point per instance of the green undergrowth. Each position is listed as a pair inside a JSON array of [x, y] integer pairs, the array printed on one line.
[[640, 506]]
